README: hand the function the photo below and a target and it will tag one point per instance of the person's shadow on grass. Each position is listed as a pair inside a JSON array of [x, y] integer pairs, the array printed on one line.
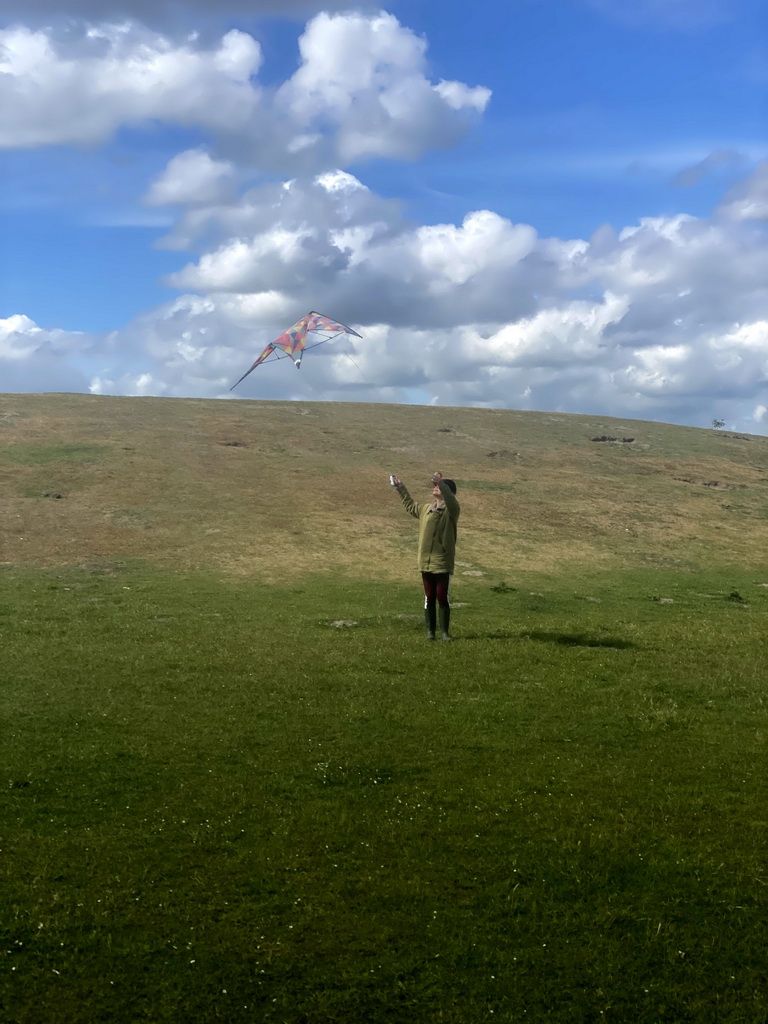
[[563, 639], [579, 640]]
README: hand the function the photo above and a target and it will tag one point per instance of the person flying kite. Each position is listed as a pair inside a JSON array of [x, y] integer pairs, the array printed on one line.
[[437, 547], [293, 342]]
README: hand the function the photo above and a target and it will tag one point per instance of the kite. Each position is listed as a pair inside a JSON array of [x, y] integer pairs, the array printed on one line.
[[293, 342]]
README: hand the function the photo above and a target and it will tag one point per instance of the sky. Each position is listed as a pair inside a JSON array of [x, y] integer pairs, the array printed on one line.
[[531, 204]]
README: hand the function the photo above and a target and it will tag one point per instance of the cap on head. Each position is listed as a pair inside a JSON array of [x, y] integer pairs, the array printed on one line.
[[450, 485]]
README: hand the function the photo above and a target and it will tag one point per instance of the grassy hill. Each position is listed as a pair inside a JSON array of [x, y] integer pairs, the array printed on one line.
[[274, 488], [237, 784]]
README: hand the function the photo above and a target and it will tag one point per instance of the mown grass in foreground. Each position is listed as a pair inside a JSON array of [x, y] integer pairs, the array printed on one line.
[[219, 807]]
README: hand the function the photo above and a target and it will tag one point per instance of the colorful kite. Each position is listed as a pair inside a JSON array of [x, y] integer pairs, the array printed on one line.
[[293, 342]]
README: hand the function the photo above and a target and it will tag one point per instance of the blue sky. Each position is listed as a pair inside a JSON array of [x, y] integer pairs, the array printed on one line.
[[592, 119]]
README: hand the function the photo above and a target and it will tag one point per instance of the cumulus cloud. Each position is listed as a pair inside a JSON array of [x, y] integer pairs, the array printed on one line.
[[361, 91], [192, 178], [332, 236], [564, 336], [334, 200], [367, 77], [35, 359], [665, 319], [81, 89], [138, 385], [18, 337]]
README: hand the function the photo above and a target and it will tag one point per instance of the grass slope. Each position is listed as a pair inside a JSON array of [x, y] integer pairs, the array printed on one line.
[[267, 489], [220, 806]]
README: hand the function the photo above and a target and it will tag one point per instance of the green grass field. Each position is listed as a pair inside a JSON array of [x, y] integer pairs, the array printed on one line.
[[222, 803]]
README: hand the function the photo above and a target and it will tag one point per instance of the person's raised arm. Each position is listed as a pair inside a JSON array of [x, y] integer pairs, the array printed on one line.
[[451, 504], [411, 506]]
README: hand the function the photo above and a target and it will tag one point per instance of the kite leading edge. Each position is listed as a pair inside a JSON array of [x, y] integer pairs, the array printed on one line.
[[293, 341]]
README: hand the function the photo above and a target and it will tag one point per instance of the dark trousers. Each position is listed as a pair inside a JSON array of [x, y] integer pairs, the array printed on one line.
[[436, 588]]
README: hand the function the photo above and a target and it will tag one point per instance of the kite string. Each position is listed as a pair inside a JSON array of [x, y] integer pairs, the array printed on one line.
[[347, 353], [349, 356]]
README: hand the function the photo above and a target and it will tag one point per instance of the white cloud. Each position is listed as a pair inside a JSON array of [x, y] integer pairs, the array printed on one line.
[[36, 359], [462, 97], [19, 336], [334, 237], [453, 256], [367, 77], [238, 265], [559, 336], [81, 90], [340, 181], [335, 199], [192, 178], [361, 91]]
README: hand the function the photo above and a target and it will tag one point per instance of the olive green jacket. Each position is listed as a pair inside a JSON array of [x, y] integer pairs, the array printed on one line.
[[437, 530]]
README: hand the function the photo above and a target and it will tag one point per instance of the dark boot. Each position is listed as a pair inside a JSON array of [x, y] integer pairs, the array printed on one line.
[[430, 621], [445, 623]]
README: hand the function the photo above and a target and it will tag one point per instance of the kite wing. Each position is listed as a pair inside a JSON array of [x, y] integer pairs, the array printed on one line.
[[294, 341], [264, 355], [318, 322]]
